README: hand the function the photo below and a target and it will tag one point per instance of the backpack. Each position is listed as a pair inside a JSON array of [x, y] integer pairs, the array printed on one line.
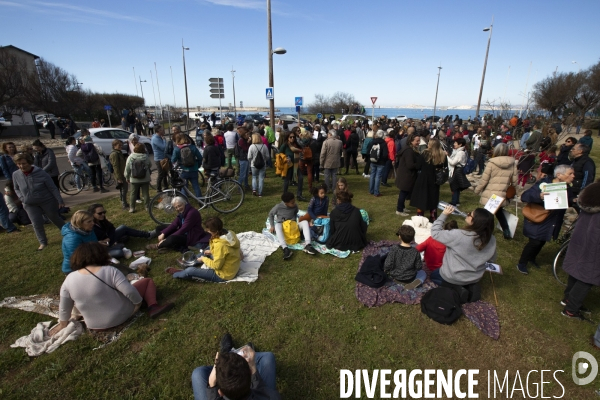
[[470, 166], [259, 160], [307, 153], [91, 155], [319, 231], [138, 168], [291, 231], [187, 157], [375, 154], [442, 305]]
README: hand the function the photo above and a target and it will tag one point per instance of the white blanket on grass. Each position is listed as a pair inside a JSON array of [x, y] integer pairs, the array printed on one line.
[[256, 248], [38, 342]]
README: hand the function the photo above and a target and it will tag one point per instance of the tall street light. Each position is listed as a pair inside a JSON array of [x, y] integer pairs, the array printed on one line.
[[233, 80], [484, 66], [436, 93], [278, 50], [142, 89], [187, 104]]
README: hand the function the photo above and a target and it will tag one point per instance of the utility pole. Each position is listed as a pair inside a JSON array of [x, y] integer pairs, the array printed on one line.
[[233, 79], [436, 94]]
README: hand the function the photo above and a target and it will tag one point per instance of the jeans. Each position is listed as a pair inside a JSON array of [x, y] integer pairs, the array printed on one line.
[[81, 169], [401, 200], [375, 178], [208, 275], [455, 198], [302, 225], [161, 179], [258, 180], [530, 251], [123, 231], [4, 220], [575, 294], [192, 176], [330, 178], [265, 365], [502, 219], [386, 171], [436, 277], [243, 173]]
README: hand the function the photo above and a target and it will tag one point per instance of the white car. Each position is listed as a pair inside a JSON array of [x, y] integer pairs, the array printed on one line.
[[105, 136], [401, 117], [356, 117]]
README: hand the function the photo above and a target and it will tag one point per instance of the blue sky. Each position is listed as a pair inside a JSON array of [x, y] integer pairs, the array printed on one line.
[[385, 48]]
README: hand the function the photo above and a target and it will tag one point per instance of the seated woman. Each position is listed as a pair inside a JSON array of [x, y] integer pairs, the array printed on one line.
[[226, 256], [79, 230], [108, 235], [347, 229], [467, 249], [16, 212], [101, 293], [185, 230]]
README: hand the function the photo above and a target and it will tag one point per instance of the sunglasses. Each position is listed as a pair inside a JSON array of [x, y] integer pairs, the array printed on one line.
[[101, 213]]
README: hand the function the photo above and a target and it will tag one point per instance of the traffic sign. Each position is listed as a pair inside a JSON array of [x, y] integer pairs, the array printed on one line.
[[216, 85], [297, 109], [298, 101], [107, 107], [215, 80], [319, 115], [217, 96], [373, 100], [217, 90], [269, 93]]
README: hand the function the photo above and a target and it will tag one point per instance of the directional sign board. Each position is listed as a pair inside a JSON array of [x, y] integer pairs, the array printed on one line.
[[298, 101], [217, 89], [107, 107], [269, 93], [319, 115], [373, 100]]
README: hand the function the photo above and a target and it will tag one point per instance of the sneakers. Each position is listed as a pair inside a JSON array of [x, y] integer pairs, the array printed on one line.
[[156, 310], [138, 201], [226, 344], [413, 285], [153, 246], [254, 193], [102, 190], [287, 253], [309, 249], [172, 270], [522, 269], [576, 315], [582, 309], [385, 184], [131, 210], [402, 213], [377, 195], [152, 234]]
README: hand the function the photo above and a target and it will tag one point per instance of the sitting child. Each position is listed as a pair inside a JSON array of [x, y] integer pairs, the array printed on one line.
[[225, 251], [340, 186], [403, 263], [318, 205], [284, 211], [434, 250]]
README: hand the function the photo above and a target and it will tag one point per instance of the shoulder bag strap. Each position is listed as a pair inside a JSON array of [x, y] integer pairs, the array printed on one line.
[[96, 276]]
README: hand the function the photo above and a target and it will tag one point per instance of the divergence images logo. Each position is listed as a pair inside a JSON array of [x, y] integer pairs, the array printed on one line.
[[580, 367]]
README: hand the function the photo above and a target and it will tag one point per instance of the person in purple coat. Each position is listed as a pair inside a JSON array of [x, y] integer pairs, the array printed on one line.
[[185, 230]]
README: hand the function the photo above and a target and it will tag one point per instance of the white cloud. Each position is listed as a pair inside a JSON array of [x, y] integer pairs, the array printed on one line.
[[248, 4]]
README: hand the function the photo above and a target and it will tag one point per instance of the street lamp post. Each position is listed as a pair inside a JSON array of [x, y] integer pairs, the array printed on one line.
[[436, 93], [187, 104], [233, 84], [278, 50], [142, 89], [484, 66]]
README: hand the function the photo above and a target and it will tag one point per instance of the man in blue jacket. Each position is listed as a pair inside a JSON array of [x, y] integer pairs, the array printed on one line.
[[159, 143]]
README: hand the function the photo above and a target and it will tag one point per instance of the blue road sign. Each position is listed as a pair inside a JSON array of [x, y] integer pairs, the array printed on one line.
[[298, 101], [107, 107], [269, 93], [319, 115], [297, 109]]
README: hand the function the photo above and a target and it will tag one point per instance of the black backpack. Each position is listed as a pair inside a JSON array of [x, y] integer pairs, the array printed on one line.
[[187, 157], [259, 160], [442, 305], [375, 154], [91, 155], [138, 169]]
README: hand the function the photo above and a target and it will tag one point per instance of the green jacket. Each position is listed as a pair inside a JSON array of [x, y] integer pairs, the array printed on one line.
[[130, 159], [117, 159]]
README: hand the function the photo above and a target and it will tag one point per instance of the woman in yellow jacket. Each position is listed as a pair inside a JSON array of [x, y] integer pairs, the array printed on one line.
[[224, 247]]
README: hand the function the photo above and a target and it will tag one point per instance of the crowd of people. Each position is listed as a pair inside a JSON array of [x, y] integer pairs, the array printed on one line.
[[420, 156]]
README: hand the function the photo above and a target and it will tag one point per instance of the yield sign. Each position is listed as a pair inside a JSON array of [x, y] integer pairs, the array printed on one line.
[[373, 100]]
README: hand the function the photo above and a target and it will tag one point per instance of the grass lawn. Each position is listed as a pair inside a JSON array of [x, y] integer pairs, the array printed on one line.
[[304, 310]]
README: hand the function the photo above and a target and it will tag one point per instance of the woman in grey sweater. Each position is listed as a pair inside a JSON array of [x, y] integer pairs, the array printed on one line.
[[467, 249], [39, 196], [101, 293]]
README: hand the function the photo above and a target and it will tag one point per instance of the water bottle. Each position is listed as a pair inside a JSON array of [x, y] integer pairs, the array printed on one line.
[[442, 205]]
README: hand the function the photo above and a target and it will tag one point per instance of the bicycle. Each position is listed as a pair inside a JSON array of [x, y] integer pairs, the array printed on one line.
[[72, 182], [223, 194], [560, 275]]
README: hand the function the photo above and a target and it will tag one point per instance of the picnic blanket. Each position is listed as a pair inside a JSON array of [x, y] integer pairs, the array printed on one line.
[[482, 314], [38, 342]]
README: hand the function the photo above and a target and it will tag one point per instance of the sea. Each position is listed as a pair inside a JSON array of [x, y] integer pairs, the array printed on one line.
[[417, 113]]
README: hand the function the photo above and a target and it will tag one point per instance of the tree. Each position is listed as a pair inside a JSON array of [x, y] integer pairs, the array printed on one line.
[[12, 79], [586, 93], [335, 104], [553, 93]]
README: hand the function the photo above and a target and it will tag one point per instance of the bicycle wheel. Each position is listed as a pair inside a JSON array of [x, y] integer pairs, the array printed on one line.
[[160, 208], [226, 196], [107, 178], [560, 275], [67, 183]]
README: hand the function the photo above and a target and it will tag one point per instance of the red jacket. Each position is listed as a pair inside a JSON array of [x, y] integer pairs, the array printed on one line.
[[391, 145], [434, 253]]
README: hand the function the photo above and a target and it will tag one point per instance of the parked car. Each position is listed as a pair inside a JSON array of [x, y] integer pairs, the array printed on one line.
[[288, 118], [355, 117], [105, 136], [435, 119], [401, 117], [255, 118]]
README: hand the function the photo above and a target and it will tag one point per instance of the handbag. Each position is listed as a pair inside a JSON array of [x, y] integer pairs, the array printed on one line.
[[441, 175], [535, 213], [511, 192], [459, 180]]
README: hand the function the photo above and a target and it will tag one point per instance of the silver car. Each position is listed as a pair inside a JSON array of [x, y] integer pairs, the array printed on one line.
[[105, 136]]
